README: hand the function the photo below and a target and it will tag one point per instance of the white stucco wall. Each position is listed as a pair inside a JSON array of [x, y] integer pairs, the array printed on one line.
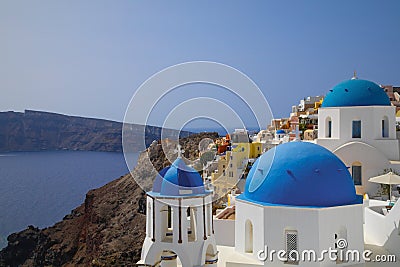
[[383, 230], [373, 163], [323, 114], [316, 228], [371, 128], [254, 213], [224, 232], [303, 220], [333, 220]]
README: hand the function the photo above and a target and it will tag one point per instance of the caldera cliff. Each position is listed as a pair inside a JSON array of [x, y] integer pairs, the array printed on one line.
[[106, 230]]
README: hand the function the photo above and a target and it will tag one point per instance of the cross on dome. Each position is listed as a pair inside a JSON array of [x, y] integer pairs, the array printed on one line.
[[179, 150], [354, 76]]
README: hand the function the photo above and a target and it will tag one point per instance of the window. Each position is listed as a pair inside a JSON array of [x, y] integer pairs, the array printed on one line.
[[356, 129], [248, 237], [329, 128], [291, 244], [328, 131], [385, 127], [356, 173]]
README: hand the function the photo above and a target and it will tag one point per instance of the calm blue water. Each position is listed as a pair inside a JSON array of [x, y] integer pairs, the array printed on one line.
[[39, 188]]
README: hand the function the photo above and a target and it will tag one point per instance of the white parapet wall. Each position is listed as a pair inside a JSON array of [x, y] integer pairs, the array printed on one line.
[[224, 229], [383, 230]]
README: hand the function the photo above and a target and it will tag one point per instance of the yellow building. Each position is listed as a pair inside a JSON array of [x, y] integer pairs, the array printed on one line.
[[247, 150], [318, 104], [255, 150]]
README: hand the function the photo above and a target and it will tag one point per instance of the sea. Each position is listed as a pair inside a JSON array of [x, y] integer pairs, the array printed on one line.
[[40, 188]]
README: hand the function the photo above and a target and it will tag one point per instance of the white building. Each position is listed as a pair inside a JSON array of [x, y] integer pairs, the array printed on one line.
[[308, 102], [357, 123], [280, 134], [286, 206], [240, 136]]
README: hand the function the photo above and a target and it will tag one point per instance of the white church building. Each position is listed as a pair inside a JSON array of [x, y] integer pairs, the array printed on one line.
[[357, 123]]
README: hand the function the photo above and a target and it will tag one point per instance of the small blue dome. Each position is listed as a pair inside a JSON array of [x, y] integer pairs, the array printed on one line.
[[300, 174], [178, 180], [356, 93], [280, 131]]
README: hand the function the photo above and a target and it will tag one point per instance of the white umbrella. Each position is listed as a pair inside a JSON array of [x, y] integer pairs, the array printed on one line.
[[388, 178]]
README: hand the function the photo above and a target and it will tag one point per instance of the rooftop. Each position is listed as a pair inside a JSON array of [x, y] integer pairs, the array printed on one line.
[[356, 92]]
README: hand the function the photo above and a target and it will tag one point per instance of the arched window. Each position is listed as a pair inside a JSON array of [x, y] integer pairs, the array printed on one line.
[[385, 127], [328, 127], [356, 169], [248, 246]]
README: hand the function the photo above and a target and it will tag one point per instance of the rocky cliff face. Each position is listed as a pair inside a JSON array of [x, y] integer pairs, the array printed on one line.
[[37, 131], [106, 230]]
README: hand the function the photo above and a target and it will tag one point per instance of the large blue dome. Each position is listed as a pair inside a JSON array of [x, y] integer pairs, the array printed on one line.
[[300, 174], [356, 92], [178, 180]]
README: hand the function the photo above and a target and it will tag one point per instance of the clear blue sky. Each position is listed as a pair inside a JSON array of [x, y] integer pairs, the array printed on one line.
[[88, 57]]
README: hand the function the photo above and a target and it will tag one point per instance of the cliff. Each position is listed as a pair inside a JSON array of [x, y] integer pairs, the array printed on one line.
[[38, 131], [106, 230]]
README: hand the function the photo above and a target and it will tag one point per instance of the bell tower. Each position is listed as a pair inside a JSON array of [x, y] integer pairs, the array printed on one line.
[[179, 224]]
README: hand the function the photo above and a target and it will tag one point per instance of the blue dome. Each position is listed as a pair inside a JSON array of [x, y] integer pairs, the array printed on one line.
[[300, 174], [280, 131], [356, 93], [178, 180]]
